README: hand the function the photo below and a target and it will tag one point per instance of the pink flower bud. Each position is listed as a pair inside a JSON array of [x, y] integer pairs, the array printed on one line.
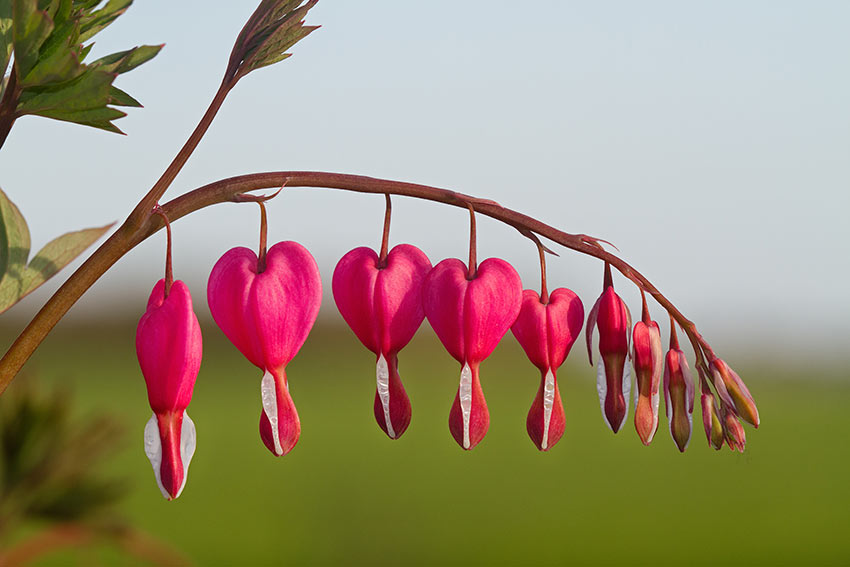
[[547, 331], [733, 431], [470, 316], [613, 380], [738, 393], [711, 419], [678, 393], [383, 306], [169, 348], [267, 316], [647, 358]]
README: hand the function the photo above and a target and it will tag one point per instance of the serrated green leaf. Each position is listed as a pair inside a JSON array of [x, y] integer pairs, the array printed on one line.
[[117, 97], [94, 117], [89, 90], [57, 254], [124, 61], [14, 251], [30, 29], [92, 23], [5, 35]]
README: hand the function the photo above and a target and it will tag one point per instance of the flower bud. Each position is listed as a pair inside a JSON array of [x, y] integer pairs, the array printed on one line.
[[733, 431], [383, 306], [738, 393], [267, 315], [547, 332], [710, 419], [169, 348], [470, 315], [647, 359], [678, 396], [613, 379]]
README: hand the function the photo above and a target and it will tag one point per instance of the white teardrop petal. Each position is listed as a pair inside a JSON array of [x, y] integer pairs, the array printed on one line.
[[465, 394], [602, 389], [188, 443], [269, 396], [548, 403], [627, 387], [153, 450], [383, 379]]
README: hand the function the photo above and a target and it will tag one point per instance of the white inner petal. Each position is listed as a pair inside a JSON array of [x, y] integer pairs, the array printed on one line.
[[465, 393], [153, 450], [269, 395], [602, 389], [383, 377], [188, 442], [548, 403]]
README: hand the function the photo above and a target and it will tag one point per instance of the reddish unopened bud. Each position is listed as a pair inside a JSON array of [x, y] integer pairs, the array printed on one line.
[[267, 312], [711, 419], [470, 313], [678, 393], [547, 331], [613, 380], [740, 396], [382, 303], [733, 431], [169, 347], [647, 358]]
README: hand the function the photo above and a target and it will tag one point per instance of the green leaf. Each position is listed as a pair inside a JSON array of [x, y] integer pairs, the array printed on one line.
[[94, 117], [57, 254], [14, 251], [92, 23], [124, 61], [90, 90], [30, 30], [118, 97]]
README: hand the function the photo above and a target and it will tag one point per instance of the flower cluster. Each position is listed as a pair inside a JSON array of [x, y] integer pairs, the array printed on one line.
[[266, 305]]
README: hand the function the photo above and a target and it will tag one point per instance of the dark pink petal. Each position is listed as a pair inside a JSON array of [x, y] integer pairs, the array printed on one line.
[[392, 406], [469, 418], [280, 427], [546, 422]]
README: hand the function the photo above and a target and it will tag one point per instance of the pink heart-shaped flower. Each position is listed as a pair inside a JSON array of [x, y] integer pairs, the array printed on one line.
[[547, 331], [470, 316], [268, 316], [383, 306]]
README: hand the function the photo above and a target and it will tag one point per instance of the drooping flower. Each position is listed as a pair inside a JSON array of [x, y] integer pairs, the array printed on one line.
[[613, 378], [267, 314], [678, 392], [383, 306], [169, 348], [471, 312], [547, 330], [647, 356]]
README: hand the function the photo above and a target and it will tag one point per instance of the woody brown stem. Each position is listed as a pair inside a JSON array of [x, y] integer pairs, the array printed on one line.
[[385, 237], [472, 270]]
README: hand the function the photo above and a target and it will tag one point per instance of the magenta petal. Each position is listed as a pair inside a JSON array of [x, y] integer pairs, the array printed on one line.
[[469, 418], [280, 426], [546, 421], [169, 347]]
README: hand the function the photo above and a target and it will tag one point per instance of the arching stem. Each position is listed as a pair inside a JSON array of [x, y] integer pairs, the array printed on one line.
[[385, 238], [473, 245], [169, 273], [544, 291], [261, 255], [228, 190]]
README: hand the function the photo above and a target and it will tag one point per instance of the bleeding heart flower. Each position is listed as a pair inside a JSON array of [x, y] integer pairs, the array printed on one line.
[[678, 392], [169, 348], [613, 379], [268, 313], [546, 330], [647, 357], [470, 314], [710, 417], [383, 306]]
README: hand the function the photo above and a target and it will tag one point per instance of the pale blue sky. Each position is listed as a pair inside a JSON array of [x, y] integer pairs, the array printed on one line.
[[710, 142]]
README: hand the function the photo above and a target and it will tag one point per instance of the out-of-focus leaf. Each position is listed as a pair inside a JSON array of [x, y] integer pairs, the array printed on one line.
[[95, 117], [5, 35], [18, 278], [57, 254], [30, 29], [117, 97], [14, 251]]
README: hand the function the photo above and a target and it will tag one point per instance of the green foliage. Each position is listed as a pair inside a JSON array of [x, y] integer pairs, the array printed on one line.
[[20, 278], [47, 38]]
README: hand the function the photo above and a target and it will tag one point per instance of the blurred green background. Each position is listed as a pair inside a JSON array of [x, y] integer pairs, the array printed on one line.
[[349, 495]]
